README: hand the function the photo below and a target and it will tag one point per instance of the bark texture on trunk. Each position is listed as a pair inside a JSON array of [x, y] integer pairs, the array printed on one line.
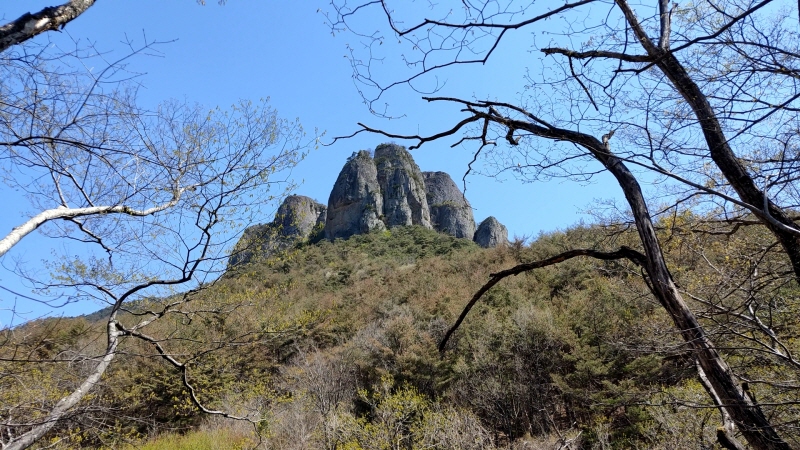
[[31, 24], [65, 404], [747, 415]]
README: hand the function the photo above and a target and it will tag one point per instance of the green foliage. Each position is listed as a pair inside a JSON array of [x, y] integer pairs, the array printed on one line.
[[400, 417], [337, 342], [197, 440]]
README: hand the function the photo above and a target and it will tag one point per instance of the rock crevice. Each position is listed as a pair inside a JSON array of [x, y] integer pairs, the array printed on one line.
[[355, 205], [403, 187]]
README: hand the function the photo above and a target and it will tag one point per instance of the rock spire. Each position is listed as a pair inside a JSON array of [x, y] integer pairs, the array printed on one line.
[[372, 194]]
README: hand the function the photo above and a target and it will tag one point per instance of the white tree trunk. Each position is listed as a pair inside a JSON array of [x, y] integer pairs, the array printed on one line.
[[66, 403], [70, 213]]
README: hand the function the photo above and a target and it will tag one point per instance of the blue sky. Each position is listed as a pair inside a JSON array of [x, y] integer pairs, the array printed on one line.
[[282, 49]]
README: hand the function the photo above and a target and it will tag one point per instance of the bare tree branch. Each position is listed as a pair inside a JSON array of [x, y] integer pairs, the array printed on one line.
[[72, 213], [51, 18], [623, 253]]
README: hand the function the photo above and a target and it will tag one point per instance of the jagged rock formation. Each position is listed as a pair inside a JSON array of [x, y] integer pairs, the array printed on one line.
[[491, 233], [451, 213], [402, 186], [298, 215], [355, 205], [372, 194], [298, 218]]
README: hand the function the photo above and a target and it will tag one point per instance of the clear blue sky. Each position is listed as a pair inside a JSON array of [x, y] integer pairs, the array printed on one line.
[[282, 49]]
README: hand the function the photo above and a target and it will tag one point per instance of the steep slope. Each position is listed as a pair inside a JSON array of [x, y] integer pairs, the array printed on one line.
[[339, 339]]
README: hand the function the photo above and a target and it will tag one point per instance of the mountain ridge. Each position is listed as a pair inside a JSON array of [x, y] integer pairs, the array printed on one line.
[[372, 193]]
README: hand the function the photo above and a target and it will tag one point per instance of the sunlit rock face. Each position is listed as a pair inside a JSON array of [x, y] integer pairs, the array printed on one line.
[[402, 186], [298, 215], [371, 194], [491, 233], [355, 205], [298, 218], [450, 211]]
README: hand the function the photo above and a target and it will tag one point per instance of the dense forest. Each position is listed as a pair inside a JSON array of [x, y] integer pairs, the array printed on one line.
[[334, 345]]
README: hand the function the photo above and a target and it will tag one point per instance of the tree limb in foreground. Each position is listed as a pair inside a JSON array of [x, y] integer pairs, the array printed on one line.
[[51, 18], [63, 212], [623, 253]]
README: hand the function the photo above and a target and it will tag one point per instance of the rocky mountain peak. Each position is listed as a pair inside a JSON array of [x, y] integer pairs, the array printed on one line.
[[372, 194], [402, 186], [451, 213], [355, 205], [298, 218], [491, 233]]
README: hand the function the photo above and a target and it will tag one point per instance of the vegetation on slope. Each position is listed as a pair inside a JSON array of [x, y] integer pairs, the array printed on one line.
[[333, 345]]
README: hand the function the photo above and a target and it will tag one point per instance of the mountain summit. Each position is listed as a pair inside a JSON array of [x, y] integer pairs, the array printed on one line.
[[372, 193]]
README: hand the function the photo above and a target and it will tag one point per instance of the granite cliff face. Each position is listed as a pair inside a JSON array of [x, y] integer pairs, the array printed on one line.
[[372, 194], [299, 215], [403, 188], [298, 218], [355, 205], [491, 233], [451, 213]]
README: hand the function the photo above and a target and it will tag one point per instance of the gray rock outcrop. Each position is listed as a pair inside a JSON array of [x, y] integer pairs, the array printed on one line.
[[402, 186], [491, 233], [450, 211], [371, 194], [297, 219], [355, 205], [298, 216]]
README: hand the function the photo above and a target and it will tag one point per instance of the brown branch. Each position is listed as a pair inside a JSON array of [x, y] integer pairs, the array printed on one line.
[[490, 25], [722, 29], [421, 139], [720, 151], [51, 18], [184, 369], [585, 89], [623, 253], [598, 54]]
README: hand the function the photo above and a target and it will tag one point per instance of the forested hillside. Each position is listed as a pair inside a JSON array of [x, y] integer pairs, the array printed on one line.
[[334, 345]]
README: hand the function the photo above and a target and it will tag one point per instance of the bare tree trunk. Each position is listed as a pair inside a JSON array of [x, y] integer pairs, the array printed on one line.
[[65, 404], [720, 151], [747, 415], [725, 432], [51, 18]]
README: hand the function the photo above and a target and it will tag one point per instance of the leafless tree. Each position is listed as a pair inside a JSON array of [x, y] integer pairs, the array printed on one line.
[[702, 97], [152, 196]]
